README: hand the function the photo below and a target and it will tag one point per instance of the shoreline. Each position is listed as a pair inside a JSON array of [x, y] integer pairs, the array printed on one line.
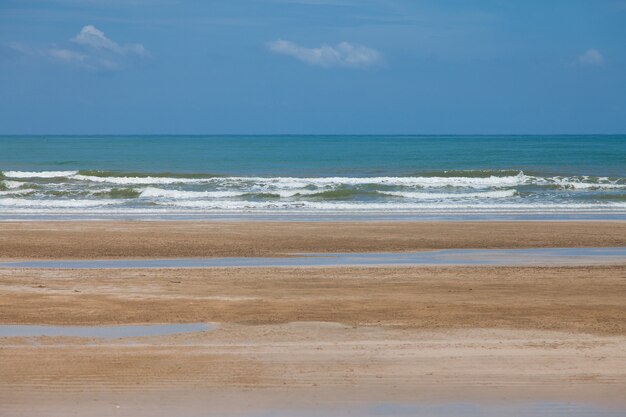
[[322, 217]]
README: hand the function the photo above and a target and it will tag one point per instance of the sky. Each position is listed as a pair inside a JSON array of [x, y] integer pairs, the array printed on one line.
[[312, 67]]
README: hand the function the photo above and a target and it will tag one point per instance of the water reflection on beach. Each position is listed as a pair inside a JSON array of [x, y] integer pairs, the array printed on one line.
[[533, 409]]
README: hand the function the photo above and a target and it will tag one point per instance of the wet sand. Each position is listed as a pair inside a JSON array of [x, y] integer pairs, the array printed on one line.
[[243, 369], [305, 337], [310, 338], [574, 299], [180, 239], [449, 257]]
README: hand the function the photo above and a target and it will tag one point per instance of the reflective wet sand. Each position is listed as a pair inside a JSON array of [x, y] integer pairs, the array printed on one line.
[[101, 332], [512, 257]]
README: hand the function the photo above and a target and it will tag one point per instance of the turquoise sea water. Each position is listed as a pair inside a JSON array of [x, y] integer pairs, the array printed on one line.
[[298, 175]]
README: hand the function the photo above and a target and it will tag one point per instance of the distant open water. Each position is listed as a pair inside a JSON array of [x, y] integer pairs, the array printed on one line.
[[152, 176]]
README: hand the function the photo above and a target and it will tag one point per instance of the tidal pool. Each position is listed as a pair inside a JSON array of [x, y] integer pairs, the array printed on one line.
[[103, 332]]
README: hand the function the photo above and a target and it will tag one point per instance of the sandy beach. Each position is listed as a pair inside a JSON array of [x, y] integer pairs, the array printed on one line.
[[307, 339], [312, 208], [171, 239], [572, 299]]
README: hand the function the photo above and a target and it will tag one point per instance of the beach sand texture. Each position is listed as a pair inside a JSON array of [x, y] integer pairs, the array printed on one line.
[[172, 239], [302, 338]]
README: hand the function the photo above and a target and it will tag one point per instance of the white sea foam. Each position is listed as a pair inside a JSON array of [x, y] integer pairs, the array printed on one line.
[[450, 196], [12, 184], [366, 206], [39, 174], [27, 203], [298, 192], [153, 192], [426, 182], [17, 192], [139, 180], [180, 194], [69, 191], [284, 184], [225, 208], [582, 183]]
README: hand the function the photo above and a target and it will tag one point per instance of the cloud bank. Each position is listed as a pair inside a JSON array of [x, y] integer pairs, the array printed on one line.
[[344, 54]]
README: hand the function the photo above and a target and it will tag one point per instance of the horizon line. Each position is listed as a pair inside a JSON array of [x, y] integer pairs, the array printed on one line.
[[312, 134]]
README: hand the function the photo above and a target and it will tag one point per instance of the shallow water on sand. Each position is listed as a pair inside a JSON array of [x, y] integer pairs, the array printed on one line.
[[538, 409], [516, 257], [103, 332]]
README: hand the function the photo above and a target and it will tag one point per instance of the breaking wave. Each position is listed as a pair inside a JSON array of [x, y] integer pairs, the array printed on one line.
[[452, 196], [39, 174], [476, 190], [460, 179]]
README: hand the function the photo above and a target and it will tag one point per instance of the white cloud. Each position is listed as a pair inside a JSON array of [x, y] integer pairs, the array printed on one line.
[[67, 55], [591, 57], [342, 55], [92, 37], [89, 49]]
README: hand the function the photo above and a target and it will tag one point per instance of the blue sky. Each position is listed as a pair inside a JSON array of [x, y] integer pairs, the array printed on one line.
[[312, 66]]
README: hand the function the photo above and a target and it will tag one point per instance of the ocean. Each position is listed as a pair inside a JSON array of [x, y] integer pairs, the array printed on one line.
[[308, 177]]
